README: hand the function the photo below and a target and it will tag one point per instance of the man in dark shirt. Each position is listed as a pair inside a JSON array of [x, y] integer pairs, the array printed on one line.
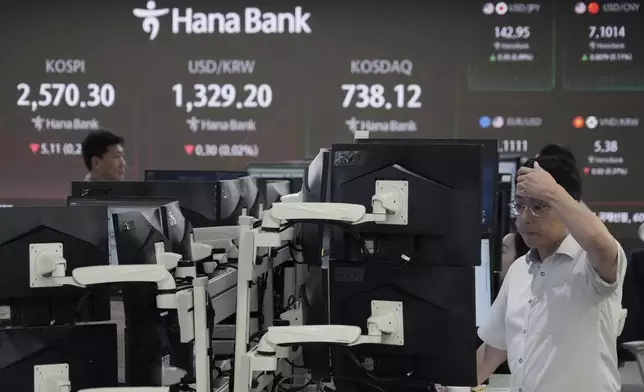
[[104, 156]]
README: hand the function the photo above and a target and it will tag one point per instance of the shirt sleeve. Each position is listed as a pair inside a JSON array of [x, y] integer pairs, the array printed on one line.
[[597, 284], [492, 331]]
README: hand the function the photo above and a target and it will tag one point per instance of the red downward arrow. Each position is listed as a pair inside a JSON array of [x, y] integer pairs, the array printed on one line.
[[34, 147], [190, 148]]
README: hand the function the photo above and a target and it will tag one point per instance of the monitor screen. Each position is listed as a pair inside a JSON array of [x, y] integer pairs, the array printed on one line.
[[509, 167], [483, 282]]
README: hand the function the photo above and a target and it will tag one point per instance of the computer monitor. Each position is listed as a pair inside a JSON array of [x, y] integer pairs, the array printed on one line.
[[250, 195], [489, 165], [509, 166], [315, 189], [199, 200], [232, 202], [275, 190], [82, 231], [427, 264], [292, 169], [139, 235], [175, 226], [152, 336], [191, 175], [89, 353], [178, 230], [484, 287], [271, 189]]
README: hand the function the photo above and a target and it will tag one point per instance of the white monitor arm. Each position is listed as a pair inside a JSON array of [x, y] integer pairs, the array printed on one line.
[[127, 389], [48, 268], [389, 206], [385, 326]]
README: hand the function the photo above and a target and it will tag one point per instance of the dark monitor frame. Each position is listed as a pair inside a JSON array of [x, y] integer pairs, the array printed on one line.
[[354, 283], [90, 351], [84, 244], [313, 235], [490, 147], [191, 175], [166, 205], [200, 211]]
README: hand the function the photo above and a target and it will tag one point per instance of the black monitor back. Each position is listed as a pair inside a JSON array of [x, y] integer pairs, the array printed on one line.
[[489, 169], [139, 234], [232, 202], [83, 234], [175, 226], [178, 230], [271, 189], [437, 286], [191, 175], [251, 199], [90, 351], [199, 200], [315, 189]]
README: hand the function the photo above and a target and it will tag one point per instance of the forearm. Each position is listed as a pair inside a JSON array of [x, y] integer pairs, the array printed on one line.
[[488, 359], [589, 231]]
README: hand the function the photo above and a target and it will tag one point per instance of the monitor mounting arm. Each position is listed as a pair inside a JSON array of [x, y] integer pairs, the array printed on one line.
[[48, 269], [389, 206], [385, 326]]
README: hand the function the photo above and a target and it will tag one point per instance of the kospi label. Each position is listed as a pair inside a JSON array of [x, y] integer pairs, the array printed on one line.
[[252, 21]]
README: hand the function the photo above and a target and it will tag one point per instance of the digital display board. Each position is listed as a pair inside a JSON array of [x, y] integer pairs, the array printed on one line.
[[201, 85]]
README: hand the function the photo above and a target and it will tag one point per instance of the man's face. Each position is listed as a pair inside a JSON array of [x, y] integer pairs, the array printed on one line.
[[540, 231], [111, 167]]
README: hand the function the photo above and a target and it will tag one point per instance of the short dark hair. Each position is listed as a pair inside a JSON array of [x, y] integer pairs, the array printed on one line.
[[557, 149], [563, 169], [97, 143]]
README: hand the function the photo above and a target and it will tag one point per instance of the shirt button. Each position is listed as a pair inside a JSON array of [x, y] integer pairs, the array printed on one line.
[[520, 389], [525, 331], [530, 301], [520, 360], [543, 274]]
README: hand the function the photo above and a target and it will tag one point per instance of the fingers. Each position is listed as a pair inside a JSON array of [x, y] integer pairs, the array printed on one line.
[[525, 170]]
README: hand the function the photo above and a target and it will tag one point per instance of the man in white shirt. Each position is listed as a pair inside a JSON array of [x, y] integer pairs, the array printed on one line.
[[556, 317]]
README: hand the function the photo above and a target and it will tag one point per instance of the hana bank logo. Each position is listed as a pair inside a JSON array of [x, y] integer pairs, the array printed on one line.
[[150, 16], [251, 21]]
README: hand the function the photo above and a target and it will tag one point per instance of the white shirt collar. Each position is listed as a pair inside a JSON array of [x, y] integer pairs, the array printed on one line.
[[569, 248]]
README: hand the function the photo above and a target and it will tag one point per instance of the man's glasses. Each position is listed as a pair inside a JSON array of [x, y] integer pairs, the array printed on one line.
[[536, 209]]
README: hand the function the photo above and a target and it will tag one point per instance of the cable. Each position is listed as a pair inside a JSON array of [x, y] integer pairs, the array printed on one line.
[[292, 248], [290, 303], [293, 364], [254, 337], [295, 248], [322, 388], [355, 360], [281, 388], [344, 227], [79, 307], [186, 280]]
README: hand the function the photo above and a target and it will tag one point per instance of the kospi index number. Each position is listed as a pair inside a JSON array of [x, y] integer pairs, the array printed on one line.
[[512, 48]]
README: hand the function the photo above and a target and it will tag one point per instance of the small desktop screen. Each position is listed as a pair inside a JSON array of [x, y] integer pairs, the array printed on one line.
[[483, 279], [509, 167]]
